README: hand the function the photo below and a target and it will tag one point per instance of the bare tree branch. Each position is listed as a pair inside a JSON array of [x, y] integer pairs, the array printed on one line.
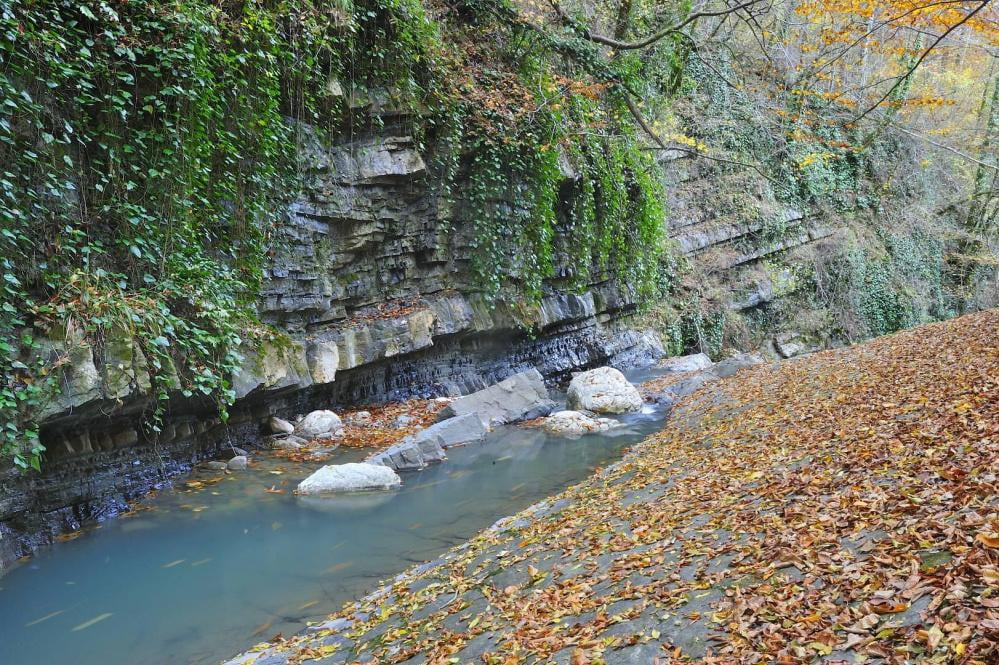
[[902, 79], [636, 113], [945, 147], [651, 39]]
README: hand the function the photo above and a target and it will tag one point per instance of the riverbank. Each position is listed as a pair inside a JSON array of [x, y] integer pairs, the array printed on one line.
[[841, 506], [222, 560]]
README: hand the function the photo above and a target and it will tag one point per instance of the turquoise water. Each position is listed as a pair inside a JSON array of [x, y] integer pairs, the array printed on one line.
[[205, 572]]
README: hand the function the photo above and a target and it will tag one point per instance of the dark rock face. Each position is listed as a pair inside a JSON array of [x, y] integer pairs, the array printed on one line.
[[369, 276]]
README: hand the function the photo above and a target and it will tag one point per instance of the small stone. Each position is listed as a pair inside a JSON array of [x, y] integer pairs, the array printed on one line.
[[280, 426], [403, 421], [359, 418], [216, 466], [237, 463]]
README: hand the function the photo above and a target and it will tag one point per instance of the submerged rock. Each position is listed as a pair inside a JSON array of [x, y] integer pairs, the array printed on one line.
[[519, 397], [216, 465], [353, 477], [280, 426], [575, 423], [603, 390], [319, 423]]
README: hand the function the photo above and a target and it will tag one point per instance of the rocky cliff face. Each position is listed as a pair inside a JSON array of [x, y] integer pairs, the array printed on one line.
[[369, 277]]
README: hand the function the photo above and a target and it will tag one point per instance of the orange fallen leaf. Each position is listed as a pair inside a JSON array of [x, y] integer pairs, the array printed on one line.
[[988, 539]]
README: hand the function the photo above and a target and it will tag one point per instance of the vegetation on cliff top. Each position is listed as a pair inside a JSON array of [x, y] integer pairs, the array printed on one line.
[[149, 147]]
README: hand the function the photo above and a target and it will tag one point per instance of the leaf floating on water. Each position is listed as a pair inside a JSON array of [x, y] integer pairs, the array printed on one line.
[[311, 603], [66, 537], [88, 624], [343, 565], [174, 563], [44, 618], [273, 490], [200, 562], [262, 628]]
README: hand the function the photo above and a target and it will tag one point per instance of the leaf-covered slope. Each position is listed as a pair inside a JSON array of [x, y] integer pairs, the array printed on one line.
[[841, 505]]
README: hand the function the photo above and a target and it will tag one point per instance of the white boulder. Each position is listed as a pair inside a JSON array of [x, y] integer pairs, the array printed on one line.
[[574, 423], [353, 477], [280, 426], [603, 390], [319, 423], [237, 463]]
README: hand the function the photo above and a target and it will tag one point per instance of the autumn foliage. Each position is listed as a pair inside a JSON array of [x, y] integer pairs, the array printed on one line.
[[839, 505]]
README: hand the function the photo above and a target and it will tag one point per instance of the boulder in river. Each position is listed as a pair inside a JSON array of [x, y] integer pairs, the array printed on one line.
[[522, 396], [280, 426], [575, 423], [353, 477], [603, 390], [318, 424], [237, 463]]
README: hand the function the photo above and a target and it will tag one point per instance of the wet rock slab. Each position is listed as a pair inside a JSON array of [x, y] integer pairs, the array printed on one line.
[[522, 396]]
